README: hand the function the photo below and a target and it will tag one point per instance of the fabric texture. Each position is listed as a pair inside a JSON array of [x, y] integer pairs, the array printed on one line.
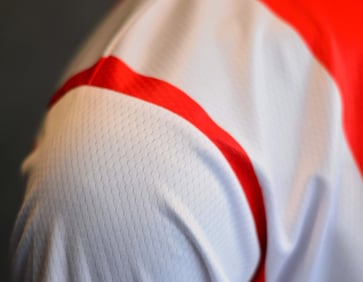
[[196, 141]]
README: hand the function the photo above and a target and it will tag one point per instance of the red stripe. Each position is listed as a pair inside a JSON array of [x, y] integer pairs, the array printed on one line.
[[111, 73], [333, 30]]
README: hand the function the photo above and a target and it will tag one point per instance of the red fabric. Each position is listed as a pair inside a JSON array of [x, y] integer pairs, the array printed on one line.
[[333, 30], [111, 73]]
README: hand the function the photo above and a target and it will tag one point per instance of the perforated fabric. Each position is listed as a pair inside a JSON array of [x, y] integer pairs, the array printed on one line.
[[123, 188]]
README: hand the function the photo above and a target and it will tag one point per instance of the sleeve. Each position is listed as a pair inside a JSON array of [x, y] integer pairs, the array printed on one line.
[[123, 190]]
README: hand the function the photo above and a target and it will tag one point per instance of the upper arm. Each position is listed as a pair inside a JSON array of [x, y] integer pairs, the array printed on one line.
[[120, 189]]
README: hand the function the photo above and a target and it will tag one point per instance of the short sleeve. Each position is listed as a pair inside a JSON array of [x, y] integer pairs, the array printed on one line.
[[123, 190]]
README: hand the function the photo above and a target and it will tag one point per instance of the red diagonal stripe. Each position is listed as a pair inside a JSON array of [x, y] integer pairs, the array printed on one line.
[[113, 74], [333, 30]]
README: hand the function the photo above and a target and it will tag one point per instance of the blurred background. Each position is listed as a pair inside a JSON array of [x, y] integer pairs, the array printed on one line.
[[37, 40]]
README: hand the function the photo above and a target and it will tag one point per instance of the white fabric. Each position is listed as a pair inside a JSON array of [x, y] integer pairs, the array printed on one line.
[[122, 190]]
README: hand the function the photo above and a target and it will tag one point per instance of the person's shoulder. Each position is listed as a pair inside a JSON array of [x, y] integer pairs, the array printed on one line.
[[125, 189]]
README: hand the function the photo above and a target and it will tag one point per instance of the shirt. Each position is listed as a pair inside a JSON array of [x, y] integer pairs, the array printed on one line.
[[202, 141]]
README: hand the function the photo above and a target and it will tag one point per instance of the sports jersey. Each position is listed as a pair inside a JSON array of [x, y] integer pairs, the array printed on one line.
[[202, 141]]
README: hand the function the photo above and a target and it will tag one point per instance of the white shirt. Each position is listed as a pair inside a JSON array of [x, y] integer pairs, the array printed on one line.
[[197, 141]]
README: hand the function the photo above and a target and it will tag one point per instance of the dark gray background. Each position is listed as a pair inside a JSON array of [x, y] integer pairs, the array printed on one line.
[[38, 38]]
